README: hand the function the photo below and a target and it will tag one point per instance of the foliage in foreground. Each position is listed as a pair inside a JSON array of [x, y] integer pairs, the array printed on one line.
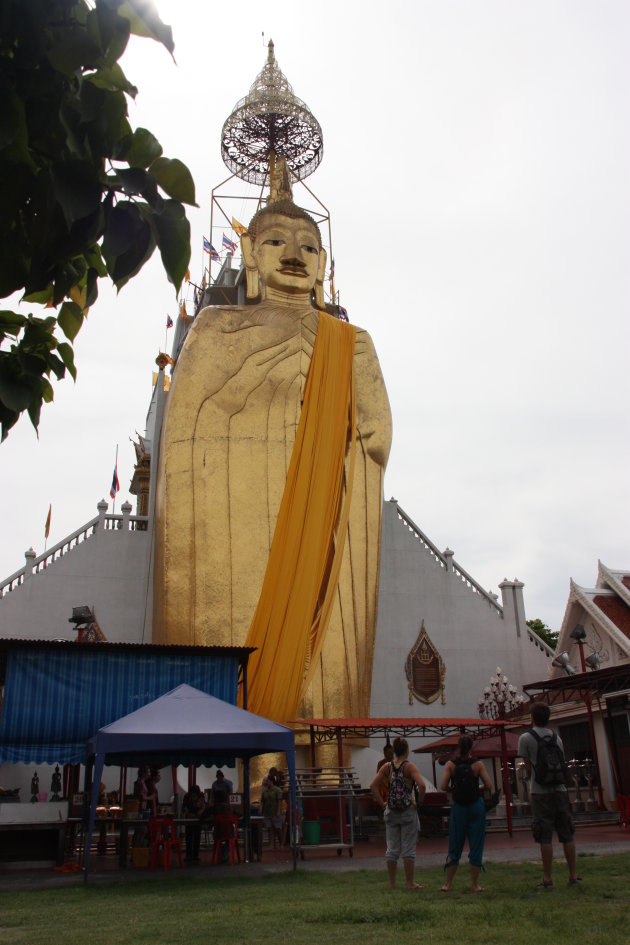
[[83, 196], [314, 907]]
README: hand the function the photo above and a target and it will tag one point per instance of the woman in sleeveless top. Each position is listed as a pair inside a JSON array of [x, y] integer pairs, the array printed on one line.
[[468, 813]]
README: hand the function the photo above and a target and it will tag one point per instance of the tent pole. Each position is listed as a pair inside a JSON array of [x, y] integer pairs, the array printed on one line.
[[506, 780], [98, 771], [246, 806], [294, 822]]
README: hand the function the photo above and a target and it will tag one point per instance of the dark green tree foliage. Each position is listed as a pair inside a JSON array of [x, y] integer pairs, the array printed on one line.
[[83, 196], [545, 633]]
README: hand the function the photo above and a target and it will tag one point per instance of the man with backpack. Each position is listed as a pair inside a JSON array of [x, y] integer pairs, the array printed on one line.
[[543, 753], [405, 792]]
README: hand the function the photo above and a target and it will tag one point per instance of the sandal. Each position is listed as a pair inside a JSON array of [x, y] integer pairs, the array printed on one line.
[[544, 884], [415, 887], [575, 881]]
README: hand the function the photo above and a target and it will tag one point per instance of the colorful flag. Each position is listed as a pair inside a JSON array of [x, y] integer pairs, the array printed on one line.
[[228, 244], [169, 321], [206, 245], [343, 315], [238, 227], [47, 525], [115, 484]]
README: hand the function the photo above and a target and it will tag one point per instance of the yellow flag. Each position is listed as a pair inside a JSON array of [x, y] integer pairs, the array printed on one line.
[[47, 526], [184, 313], [238, 227]]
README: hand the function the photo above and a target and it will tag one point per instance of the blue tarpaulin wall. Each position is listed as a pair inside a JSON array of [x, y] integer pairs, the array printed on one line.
[[55, 701]]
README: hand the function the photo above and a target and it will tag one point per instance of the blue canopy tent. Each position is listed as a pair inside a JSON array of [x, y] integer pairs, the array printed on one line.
[[187, 726]]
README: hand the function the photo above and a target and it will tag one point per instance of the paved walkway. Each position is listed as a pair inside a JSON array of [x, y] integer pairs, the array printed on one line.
[[499, 848]]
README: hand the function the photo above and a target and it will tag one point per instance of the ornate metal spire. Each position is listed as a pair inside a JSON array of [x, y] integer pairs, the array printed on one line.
[[269, 123]]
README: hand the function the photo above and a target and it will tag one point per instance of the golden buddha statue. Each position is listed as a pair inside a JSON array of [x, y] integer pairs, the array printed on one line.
[[234, 457]]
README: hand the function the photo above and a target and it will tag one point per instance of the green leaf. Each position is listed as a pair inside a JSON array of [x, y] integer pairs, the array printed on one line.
[[174, 177], [128, 242], [144, 149], [144, 21], [70, 319], [16, 391], [72, 48], [66, 354], [112, 78], [11, 323], [48, 393], [13, 128], [41, 297], [173, 238], [76, 188]]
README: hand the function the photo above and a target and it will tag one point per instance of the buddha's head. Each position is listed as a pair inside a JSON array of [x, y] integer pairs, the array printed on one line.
[[283, 255]]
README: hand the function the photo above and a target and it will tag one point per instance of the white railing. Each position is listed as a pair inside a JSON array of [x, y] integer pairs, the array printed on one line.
[[38, 563], [441, 560], [540, 644]]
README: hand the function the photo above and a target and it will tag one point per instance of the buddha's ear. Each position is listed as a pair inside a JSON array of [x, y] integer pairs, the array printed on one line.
[[251, 269], [321, 266], [318, 288]]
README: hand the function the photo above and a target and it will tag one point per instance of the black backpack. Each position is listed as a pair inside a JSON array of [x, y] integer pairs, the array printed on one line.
[[399, 796], [550, 769], [465, 783]]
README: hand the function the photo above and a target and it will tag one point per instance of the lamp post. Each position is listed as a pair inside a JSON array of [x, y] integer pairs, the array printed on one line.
[[579, 635], [499, 698]]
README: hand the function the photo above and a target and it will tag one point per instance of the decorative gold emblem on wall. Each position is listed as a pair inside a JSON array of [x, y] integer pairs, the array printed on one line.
[[425, 670]]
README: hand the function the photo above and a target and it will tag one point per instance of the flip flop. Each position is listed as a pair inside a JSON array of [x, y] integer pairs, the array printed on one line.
[[575, 881], [479, 889], [545, 884], [415, 887]]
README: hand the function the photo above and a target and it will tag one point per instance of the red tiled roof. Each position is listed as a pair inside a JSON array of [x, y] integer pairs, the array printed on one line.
[[616, 610]]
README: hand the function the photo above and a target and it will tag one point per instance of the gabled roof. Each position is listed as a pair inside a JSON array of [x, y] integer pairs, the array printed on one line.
[[617, 581], [606, 607]]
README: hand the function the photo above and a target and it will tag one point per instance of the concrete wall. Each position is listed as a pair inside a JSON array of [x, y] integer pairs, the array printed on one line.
[[106, 571], [472, 634]]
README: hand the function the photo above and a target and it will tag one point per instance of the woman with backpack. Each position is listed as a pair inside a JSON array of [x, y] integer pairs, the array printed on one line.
[[468, 813], [405, 792]]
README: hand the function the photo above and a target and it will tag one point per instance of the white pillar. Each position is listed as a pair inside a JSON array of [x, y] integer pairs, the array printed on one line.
[[29, 557], [125, 508], [514, 604]]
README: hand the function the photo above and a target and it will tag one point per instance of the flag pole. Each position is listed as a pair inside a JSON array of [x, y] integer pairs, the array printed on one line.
[[116, 474]]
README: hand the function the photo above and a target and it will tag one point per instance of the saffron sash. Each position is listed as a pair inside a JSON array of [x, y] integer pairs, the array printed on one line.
[[293, 612]]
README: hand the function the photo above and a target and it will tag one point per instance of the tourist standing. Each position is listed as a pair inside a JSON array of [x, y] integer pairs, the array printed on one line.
[[542, 750], [406, 790], [468, 812]]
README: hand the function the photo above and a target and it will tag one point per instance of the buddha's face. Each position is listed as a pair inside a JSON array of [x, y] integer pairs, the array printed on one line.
[[286, 252]]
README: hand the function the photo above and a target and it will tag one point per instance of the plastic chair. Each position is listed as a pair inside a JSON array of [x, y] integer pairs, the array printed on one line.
[[163, 839], [226, 832], [623, 803]]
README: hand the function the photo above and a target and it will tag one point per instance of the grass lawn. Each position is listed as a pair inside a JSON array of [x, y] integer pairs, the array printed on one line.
[[309, 907]]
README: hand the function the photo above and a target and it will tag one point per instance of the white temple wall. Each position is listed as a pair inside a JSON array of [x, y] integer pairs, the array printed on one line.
[[472, 635], [106, 572]]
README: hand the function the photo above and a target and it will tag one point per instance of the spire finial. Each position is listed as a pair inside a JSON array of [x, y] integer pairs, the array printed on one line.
[[271, 58]]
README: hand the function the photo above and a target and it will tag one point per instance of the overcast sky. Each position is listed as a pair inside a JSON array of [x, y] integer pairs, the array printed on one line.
[[476, 161]]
